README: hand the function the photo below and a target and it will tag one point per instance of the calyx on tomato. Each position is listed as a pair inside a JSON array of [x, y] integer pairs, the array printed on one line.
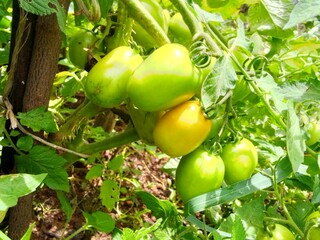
[[106, 83], [276, 232], [140, 35], [240, 159], [181, 129], [81, 43], [197, 173], [165, 79]]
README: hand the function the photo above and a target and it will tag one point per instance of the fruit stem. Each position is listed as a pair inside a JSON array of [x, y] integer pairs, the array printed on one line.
[[189, 18], [124, 28], [84, 112], [128, 136], [144, 18]]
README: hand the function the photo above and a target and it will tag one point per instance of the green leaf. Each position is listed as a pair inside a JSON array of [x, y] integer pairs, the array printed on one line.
[[3, 236], [238, 231], [100, 220], [65, 205], [303, 11], [38, 119], [109, 194], [295, 139], [94, 172], [13, 186], [116, 163], [45, 7], [222, 78], [268, 17], [241, 40], [25, 143], [28, 233], [42, 159], [316, 189]]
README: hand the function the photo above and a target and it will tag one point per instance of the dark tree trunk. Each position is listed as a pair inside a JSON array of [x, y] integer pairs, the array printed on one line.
[[32, 70]]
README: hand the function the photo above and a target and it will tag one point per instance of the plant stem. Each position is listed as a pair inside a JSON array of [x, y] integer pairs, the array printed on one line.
[[120, 139], [144, 18], [75, 233], [188, 17]]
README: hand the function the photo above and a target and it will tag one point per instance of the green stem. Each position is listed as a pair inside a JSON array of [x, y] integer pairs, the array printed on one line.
[[144, 18], [124, 28], [84, 112], [120, 139], [188, 17], [75, 233]]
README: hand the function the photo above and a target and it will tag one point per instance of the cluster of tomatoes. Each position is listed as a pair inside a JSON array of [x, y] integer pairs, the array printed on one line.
[[161, 92]]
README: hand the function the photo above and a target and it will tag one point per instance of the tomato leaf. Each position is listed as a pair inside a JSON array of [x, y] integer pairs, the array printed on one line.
[[316, 189], [302, 11], [295, 139], [222, 78], [241, 40], [38, 119], [94, 172], [13, 186], [109, 193], [65, 204], [238, 231], [42, 159], [100, 220]]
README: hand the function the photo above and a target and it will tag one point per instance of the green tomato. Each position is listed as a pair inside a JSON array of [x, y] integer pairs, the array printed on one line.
[[197, 173], [179, 30], [181, 129], [106, 83], [240, 159], [139, 34], [208, 5], [241, 90], [312, 225], [314, 133], [277, 232], [165, 79], [81, 43], [144, 122]]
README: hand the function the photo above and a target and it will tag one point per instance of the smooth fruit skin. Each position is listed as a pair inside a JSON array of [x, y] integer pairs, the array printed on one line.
[[312, 226], [197, 173], [144, 122], [314, 133], [240, 159], [106, 83], [79, 44], [279, 232], [165, 79], [179, 30], [140, 35], [182, 129]]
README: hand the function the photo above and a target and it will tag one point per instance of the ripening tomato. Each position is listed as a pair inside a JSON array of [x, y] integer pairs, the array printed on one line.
[[106, 83], [240, 160], [197, 173], [165, 79], [314, 133], [277, 232], [140, 35], [80, 44], [182, 129]]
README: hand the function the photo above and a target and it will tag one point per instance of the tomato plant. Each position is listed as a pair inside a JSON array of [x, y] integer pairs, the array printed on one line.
[[276, 232], [179, 30], [314, 133], [81, 48], [181, 129], [198, 172], [240, 159], [106, 83], [165, 79], [140, 35]]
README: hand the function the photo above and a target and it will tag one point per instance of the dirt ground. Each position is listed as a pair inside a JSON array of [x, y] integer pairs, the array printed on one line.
[[84, 195]]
